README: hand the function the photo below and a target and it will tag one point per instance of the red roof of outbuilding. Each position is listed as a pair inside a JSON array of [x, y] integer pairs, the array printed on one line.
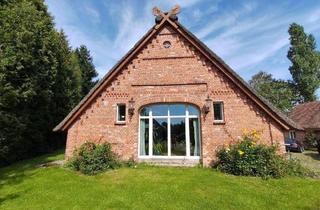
[[307, 115]]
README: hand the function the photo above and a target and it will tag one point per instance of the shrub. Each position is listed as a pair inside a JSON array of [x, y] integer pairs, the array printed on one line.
[[248, 158], [131, 163], [91, 159], [312, 141], [294, 168]]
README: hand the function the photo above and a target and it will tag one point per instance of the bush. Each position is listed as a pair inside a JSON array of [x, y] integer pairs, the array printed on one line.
[[294, 168], [247, 158], [91, 159], [312, 141], [131, 163]]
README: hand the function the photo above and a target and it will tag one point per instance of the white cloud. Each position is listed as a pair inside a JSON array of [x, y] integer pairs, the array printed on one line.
[[182, 3], [244, 41], [132, 27], [258, 54], [197, 13], [314, 16], [227, 19], [244, 36], [93, 13]]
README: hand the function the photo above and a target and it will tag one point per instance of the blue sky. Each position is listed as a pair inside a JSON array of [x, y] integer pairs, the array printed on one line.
[[249, 35]]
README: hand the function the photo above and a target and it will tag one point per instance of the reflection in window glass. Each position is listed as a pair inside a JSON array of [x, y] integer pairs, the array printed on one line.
[[121, 112], [218, 111], [145, 111], [194, 137], [177, 109], [144, 137], [160, 134], [159, 110], [178, 137], [193, 110]]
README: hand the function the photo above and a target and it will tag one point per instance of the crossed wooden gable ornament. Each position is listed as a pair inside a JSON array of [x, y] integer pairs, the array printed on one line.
[[163, 16]]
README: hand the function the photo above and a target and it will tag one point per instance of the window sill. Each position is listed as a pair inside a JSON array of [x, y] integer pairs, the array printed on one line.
[[219, 122], [120, 123], [169, 157]]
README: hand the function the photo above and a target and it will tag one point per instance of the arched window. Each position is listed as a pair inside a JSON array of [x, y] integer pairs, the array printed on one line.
[[169, 130]]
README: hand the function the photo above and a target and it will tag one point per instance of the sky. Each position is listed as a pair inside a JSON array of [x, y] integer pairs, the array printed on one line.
[[248, 35]]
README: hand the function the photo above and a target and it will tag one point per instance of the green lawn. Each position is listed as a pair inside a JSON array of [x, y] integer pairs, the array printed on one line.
[[310, 159], [25, 186]]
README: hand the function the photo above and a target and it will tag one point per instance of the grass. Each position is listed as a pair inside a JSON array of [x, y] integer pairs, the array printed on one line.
[[310, 159], [26, 186]]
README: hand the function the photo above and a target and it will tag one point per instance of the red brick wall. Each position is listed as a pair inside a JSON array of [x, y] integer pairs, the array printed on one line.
[[184, 76]]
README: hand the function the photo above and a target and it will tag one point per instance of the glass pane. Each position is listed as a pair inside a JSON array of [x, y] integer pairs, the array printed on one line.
[[194, 137], [121, 112], [159, 110], [160, 134], [177, 109], [145, 111], [144, 137], [217, 109], [178, 137], [193, 110]]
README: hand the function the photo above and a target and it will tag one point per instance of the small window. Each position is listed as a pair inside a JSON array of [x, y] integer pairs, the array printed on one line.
[[166, 44], [292, 135], [121, 113], [218, 111]]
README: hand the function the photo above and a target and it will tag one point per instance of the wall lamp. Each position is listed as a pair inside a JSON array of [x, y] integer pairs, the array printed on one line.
[[131, 107], [206, 106]]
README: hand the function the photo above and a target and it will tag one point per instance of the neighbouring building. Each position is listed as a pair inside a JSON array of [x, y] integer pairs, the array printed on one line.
[[171, 99], [307, 116]]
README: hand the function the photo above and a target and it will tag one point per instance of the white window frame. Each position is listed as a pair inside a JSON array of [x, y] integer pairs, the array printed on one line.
[[222, 111], [292, 134], [117, 113], [150, 117]]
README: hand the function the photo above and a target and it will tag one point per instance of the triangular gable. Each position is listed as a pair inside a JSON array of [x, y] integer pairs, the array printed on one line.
[[285, 122]]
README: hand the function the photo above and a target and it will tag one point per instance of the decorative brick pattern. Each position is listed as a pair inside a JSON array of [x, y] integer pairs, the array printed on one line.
[[168, 75]]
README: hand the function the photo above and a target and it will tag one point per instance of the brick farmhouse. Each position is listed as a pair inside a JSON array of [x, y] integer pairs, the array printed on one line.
[[171, 99]]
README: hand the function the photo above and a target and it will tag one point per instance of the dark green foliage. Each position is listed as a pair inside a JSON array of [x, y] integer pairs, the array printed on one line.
[[39, 80], [91, 159], [27, 70], [247, 158], [87, 70], [311, 141], [11, 128], [77, 82], [280, 93], [64, 92], [305, 68], [293, 167], [131, 163]]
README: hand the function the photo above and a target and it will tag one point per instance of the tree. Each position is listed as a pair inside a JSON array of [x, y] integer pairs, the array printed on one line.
[[66, 93], [35, 79], [76, 81], [87, 69], [279, 92], [305, 68]]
